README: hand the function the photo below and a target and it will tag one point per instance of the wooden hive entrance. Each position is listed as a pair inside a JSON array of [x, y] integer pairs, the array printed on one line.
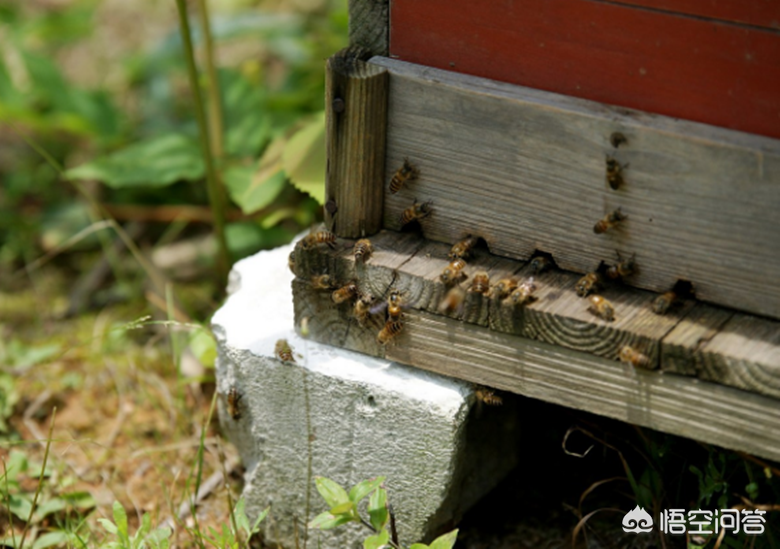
[[526, 171]]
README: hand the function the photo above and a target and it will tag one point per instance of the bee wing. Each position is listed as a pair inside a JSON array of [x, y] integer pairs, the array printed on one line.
[[378, 308]]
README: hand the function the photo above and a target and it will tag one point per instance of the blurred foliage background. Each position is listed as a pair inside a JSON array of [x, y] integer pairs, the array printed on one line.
[[101, 87]]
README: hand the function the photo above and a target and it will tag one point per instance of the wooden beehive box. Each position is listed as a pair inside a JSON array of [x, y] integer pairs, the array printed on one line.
[[521, 161]]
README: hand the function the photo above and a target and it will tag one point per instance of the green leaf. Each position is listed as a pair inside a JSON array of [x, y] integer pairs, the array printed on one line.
[[260, 518], [446, 541], [48, 507], [51, 539], [377, 509], [157, 162], [331, 492], [326, 521], [109, 526], [254, 188], [304, 158], [120, 519], [247, 127], [203, 346], [376, 541], [419, 546], [362, 489], [19, 506], [342, 508]]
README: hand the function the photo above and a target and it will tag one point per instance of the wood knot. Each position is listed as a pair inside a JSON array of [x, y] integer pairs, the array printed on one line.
[[331, 207], [338, 105]]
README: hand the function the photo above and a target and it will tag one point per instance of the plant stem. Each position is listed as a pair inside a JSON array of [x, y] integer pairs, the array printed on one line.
[[214, 99], [216, 197], [40, 479]]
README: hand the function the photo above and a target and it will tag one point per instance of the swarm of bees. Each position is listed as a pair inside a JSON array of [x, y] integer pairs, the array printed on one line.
[[233, 403], [609, 221], [403, 175]]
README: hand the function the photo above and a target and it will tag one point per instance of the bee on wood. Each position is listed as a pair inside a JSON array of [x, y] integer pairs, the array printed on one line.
[[664, 302], [320, 237], [453, 273], [363, 250], [488, 396], [405, 173], [628, 355], [415, 212], [624, 268], [614, 175], [463, 249], [233, 403], [601, 308], [540, 264], [609, 221], [291, 261], [452, 301], [523, 293], [344, 293], [588, 284], [322, 282], [480, 284], [391, 329], [363, 308], [284, 351], [395, 303], [503, 288]]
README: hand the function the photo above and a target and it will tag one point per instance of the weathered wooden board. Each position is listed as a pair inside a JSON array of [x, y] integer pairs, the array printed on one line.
[[369, 25], [674, 404], [693, 339], [692, 67], [526, 170]]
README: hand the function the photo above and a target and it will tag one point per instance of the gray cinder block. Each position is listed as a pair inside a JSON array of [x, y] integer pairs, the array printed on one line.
[[348, 417]]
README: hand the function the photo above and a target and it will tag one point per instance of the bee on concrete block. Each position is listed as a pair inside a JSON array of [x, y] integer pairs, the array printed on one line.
[[602, 308], [609, 221], [234, 403], [403, 175], [284, 351], [291, 262]]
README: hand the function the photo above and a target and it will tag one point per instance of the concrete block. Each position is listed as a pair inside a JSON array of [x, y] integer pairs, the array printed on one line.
[[348, 417]]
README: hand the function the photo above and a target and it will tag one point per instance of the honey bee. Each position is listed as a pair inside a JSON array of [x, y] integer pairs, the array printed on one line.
[[589, 283], [540, 264], [322, 282], [601, 308], [624, 267], [462, 249], [291, 261], [488, 396], [480, 284], [503, 288], [405, 173], [415, 212], [233, 403], [363, 308], [523, 293], [628, 355], [614, 176], [453, 273], [664, 302], [344, 293], [391, 329], [394, 305], [284, 351], [363, 250], [609, 221], [319, 237], [453, 301]]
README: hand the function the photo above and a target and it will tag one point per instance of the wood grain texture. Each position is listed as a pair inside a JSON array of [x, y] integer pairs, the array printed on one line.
[[673, 404], [760, 13], [369, 25], [356, 99], [679, 65], [526, 170], [680, 347]]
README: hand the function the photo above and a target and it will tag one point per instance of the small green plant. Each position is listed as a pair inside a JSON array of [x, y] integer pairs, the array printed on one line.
[[344, 509], [144, 537], [230, 538]]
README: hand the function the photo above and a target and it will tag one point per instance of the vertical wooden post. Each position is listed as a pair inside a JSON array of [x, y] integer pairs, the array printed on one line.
[[369, 25], [356, 106]]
